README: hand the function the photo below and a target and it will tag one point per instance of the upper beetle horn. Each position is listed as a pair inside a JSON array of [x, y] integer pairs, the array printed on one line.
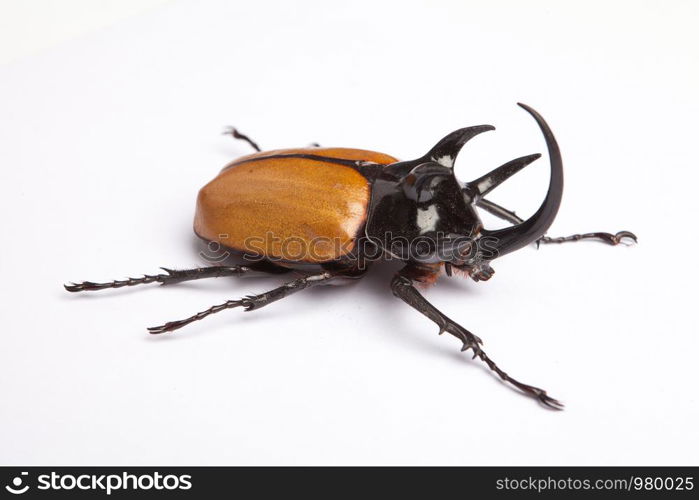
[[509, 239], [446, 150]]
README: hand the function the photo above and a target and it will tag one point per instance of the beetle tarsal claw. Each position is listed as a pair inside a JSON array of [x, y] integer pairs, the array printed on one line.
[[166, 328], [541, 395], [619, 237], [73, 287], [546, 400]]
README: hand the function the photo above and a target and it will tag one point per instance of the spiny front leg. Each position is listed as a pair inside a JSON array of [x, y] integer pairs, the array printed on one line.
[[250, 302], [403, 288], [172, 276]]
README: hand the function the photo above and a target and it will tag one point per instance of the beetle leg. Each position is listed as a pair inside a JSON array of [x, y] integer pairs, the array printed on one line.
[[172, 276], [510, 216], [403, 288], [232, 131], [251, 302]]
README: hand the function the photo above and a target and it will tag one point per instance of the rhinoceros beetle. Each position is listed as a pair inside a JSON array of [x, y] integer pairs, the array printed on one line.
[[327, 214]]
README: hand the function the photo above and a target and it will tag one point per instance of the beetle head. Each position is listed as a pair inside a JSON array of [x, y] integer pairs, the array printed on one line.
[[422, 201]]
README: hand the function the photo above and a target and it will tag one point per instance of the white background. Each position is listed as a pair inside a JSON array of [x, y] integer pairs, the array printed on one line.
[[106, 138]]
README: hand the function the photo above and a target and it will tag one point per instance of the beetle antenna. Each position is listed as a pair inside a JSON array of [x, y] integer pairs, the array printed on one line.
[[233, 132]]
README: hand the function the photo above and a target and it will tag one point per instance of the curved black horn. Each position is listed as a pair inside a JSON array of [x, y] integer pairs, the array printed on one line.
[[513, 238], [446, 150]]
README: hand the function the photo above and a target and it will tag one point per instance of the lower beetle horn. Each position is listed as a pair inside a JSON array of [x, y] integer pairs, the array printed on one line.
[[504, 241]]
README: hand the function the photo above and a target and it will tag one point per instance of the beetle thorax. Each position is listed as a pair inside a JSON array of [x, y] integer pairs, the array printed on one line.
[[424, 217]]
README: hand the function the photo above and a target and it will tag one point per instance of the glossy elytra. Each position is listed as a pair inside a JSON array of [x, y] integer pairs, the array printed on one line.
[[327, 214]]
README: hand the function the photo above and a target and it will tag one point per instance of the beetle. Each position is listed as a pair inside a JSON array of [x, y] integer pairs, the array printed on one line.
[[328, 213]]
